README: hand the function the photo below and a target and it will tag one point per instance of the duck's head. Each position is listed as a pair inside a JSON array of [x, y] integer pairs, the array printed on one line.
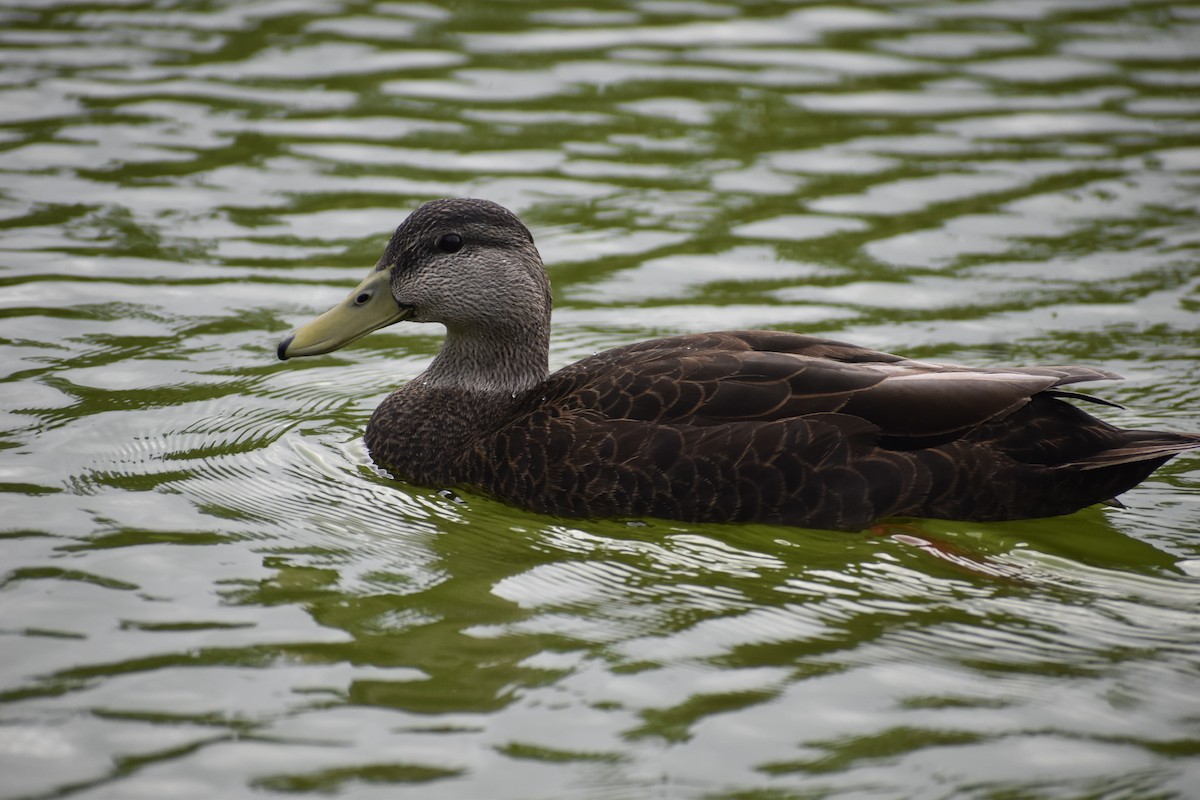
[[466, 263]]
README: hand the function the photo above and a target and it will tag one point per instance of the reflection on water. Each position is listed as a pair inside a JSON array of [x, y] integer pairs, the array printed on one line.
[[208, 590]]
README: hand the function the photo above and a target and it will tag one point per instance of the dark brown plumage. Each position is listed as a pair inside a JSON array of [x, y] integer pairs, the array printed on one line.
[[733, 426]]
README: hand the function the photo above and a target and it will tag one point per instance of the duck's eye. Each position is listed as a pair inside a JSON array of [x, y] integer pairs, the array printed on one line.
[[450, 243]]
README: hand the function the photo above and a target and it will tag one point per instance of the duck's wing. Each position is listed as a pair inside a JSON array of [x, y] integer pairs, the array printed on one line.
[[760, 376], [785, 428]]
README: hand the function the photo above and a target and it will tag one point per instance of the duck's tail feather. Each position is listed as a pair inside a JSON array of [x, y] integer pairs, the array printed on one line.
[[1141, 446]]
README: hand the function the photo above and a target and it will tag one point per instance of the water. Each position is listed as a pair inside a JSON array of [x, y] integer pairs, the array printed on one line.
[[208, 591]]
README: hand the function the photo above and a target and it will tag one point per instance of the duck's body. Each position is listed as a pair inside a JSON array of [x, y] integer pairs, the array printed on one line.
[[733, 426]]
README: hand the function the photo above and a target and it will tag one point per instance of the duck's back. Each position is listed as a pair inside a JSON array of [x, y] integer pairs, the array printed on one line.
[[779, 427]]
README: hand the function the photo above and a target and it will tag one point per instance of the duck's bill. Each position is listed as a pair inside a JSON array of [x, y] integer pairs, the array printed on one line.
[[368, 308]]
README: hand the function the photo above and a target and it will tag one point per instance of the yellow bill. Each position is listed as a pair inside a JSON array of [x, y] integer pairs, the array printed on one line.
[[369, 307]]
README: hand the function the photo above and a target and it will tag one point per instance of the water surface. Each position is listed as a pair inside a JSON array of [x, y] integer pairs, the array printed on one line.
[[207, 590]]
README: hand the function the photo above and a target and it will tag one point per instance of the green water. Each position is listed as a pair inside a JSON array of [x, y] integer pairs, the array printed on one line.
[[206, 590]]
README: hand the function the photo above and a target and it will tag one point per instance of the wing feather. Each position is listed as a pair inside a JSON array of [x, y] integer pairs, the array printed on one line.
[[716, 378]]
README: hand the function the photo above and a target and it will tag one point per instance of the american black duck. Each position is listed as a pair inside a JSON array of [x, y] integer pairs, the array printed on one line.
[[732, 426]]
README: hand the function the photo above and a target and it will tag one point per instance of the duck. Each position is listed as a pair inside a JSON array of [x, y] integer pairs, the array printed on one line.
[[747, 426]]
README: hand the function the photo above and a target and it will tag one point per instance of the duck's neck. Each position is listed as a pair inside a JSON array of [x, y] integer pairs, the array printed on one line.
[[424, 431], [500, 362]]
